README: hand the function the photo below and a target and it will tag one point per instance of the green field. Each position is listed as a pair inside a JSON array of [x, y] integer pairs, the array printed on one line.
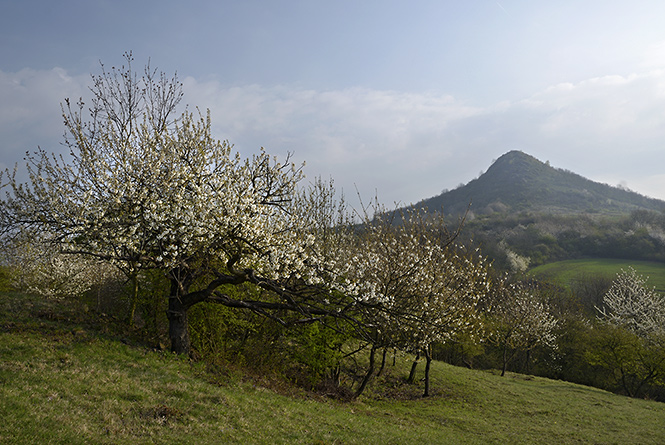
[[565, 272], [66, 382]]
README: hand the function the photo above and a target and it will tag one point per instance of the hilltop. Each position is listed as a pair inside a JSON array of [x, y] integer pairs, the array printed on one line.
[[518, 182]]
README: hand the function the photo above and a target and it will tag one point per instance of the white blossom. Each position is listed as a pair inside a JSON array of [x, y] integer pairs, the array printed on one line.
[[631, 304]]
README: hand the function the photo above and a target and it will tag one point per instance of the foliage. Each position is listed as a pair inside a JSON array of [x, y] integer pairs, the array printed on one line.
[[520, 321], [34, 267], [428, 288], [634, 348], [306, 354], [577, 342], [317, 352], [634, 364], [545, 238], [517, 263], [416, 286]]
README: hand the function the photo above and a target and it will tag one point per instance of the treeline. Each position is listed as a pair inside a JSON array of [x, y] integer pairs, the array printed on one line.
[[621, 354], [542, 238]]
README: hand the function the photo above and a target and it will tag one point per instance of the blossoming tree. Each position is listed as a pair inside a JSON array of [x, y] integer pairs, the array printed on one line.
[[520, 321], [633, 348], [629, 303], [416, 288], [144, 188]]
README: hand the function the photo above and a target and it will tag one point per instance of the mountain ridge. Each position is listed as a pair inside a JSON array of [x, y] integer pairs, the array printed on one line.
[[518, 182]]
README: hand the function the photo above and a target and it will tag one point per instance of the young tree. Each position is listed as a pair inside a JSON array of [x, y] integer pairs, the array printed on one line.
[[630, 304], [634, 349], [145, 189], [416, 286], [521, 321]]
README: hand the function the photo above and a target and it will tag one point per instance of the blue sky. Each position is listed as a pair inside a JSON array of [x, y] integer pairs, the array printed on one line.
[[398, 98]]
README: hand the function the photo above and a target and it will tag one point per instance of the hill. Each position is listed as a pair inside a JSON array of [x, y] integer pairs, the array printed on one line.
[[518, 182], [68, 383]]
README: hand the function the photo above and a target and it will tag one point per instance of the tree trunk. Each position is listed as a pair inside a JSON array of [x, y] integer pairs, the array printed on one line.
[[135, 299], [412, 374], [383, 362], [505, 360], [428, 362], [178, 326], [368, 374], [336, 375]]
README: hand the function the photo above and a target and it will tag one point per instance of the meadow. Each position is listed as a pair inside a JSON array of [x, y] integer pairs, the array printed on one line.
[[565, 272], [65, 380]]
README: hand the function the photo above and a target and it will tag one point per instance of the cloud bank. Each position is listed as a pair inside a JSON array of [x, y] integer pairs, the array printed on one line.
[[409, 146], [405, 146], [30, 113]]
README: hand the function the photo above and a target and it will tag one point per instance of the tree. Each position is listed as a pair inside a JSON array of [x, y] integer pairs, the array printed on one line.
[[634, 349], [630, 304], [520, 321], [590, 289], [416, 285], [633, 363], [144, 189], [38, 269]]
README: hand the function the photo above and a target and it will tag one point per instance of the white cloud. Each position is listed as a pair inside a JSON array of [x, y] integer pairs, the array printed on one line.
[[30, 109], [408, 146], [366, 138]]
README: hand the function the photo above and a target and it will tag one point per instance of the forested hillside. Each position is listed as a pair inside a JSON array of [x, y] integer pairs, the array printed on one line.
[[539, 238], [523, 212]]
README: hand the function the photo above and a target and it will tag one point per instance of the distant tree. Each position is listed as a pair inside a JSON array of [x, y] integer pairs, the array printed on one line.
[[518, 263], [634, 350], [590, 289], [629, 303], [520, 321]]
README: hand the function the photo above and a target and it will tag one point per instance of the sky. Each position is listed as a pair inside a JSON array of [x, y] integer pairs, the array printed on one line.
[[398, 99]]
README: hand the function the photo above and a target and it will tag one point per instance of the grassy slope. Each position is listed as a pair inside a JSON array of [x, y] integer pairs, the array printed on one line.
[[563, 272], [62, 382]]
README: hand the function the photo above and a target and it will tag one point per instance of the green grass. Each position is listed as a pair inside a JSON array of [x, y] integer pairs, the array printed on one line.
[[564, 272], [62, 382]]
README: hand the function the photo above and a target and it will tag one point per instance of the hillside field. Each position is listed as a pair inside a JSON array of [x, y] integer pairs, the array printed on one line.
[[65, 381], [564, 272]]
